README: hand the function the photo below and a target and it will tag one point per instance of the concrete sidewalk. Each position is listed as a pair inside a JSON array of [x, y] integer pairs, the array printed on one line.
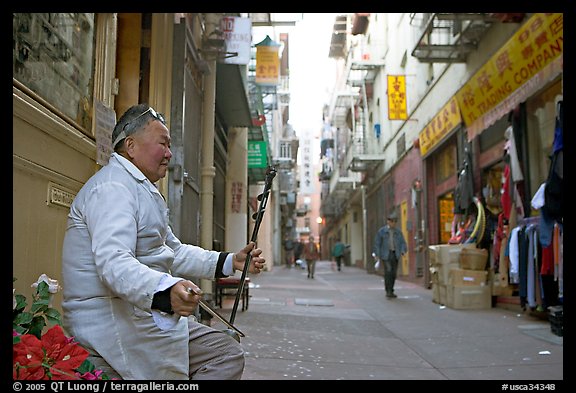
[[340, 326]]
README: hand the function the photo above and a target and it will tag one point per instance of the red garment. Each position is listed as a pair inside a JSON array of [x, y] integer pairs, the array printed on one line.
[[547, 260]]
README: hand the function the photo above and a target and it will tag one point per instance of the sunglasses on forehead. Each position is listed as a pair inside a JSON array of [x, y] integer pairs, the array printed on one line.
[[151, 111]]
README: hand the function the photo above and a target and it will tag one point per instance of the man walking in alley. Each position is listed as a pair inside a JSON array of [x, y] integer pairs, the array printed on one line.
[[289, 252], [311, 255], [389, 246]]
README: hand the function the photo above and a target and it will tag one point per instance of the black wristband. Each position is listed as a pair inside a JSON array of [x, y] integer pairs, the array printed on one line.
[[220, 265], [161, 301]]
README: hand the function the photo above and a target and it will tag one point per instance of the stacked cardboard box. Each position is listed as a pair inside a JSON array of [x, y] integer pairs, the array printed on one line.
[[443, 258], [469, 289], [454, 286]]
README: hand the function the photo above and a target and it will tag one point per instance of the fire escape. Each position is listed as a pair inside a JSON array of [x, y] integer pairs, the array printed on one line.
[[449, 38]]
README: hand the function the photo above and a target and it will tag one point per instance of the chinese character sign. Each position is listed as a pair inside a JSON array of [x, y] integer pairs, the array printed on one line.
[[397, 108], [534, 46], [307, 184], [445, 121], [267, 63], [237, 194], [257, 154]]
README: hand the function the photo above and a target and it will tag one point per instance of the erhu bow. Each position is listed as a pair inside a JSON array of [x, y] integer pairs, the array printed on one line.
[[263, 198]]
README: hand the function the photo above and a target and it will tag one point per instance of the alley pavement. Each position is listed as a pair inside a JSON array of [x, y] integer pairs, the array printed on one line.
[[340, 326]]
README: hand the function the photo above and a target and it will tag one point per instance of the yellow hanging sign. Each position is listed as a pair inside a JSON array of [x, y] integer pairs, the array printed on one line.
[[397, 109], [267, 65]]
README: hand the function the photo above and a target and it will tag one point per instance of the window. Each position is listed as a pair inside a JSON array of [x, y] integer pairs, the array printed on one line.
[[53, 55], [445, 163]]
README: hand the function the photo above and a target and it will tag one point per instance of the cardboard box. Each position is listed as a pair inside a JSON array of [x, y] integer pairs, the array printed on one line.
[[443, 254], [466, 277], [469, 297], [439, 293], [444, 272]]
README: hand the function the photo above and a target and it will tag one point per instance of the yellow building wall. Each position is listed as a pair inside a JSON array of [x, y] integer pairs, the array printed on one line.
[[51, 161]]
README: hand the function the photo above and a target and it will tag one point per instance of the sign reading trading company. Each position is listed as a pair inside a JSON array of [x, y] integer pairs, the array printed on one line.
[[397, 109], [522, 66], [445, 121], [257, 154]]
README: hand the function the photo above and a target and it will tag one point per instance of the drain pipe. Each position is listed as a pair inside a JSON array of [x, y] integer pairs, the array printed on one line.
[[365, 252], [208, 171]]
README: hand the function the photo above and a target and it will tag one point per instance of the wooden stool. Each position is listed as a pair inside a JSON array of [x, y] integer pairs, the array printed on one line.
[[224, 284]]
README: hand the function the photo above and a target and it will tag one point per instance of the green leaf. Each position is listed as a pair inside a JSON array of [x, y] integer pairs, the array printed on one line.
[[20, 301], [52, 313], [86, 367], [37, 325], [19, 329], [23, 318], [39, 306], [42, 290]]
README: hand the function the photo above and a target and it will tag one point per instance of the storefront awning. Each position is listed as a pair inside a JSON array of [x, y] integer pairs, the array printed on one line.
[[231, 98]]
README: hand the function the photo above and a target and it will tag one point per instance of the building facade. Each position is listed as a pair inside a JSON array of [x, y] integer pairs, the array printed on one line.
[[422, 109]]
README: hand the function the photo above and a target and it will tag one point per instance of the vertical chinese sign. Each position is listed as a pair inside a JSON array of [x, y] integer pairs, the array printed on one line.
[[267, 62], [307, 185], [397, 108], [237, 194]]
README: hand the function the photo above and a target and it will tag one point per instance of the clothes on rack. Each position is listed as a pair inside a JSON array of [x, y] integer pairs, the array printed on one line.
[[535, 268]]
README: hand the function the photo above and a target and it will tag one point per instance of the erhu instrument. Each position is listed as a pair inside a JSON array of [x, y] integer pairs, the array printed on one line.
[[257, 216]]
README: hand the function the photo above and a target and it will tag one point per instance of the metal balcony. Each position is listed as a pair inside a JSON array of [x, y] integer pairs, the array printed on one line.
[[363, 71], [448, 38], [338, 43], [343, 103]]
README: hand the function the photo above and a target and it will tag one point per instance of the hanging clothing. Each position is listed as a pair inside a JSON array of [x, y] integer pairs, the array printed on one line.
[[505, 198], [510, 148], [465, 187], [559, 259], [513, 255], [554, 191], [522, 266]]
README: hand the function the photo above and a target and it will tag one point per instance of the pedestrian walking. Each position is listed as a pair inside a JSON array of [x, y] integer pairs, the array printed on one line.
[[338, 253], [298, 249], [289, 252], [311, 255], [389, 246]]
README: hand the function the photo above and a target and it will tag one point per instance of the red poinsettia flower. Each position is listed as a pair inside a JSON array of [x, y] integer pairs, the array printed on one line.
[[27, 358], [55, 356]]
